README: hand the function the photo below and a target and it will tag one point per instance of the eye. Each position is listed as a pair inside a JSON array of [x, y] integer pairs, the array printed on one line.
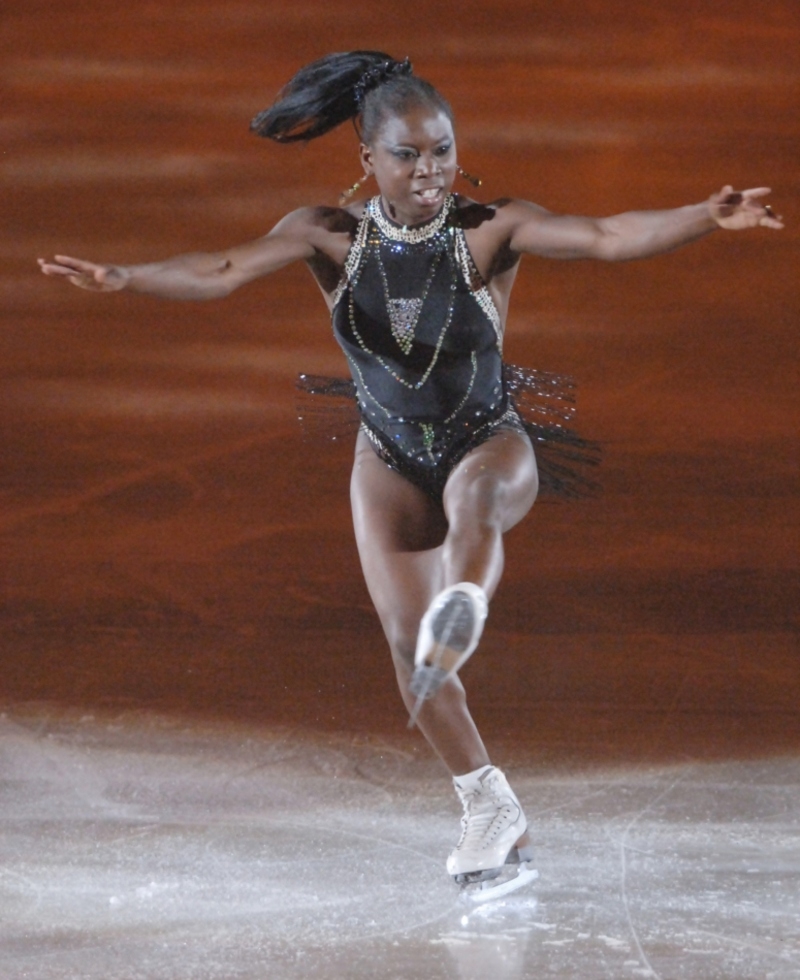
[[443, 150], [405, 154]]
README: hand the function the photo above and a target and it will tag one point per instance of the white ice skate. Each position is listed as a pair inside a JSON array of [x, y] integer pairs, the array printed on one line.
[[486, 862], [448, 635]]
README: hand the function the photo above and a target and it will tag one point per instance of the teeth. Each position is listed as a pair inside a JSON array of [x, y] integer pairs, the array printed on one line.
[[429, 194]]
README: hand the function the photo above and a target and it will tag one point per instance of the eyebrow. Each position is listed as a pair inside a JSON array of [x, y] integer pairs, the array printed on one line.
[[413, 146]]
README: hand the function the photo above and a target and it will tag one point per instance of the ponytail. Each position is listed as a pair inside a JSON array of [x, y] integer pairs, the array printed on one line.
[[338, 87]]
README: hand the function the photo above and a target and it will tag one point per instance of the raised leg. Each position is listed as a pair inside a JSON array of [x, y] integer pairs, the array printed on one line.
[[411, 549], [489, 492]]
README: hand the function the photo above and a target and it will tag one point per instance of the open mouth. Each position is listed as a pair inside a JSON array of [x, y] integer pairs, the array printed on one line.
[[429, 195]]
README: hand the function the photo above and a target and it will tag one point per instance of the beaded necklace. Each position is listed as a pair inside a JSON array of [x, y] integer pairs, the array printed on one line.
[[402, 233]]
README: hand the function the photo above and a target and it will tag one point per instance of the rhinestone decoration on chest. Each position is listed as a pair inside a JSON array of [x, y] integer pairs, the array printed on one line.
[[403, 317], [404, 312], [425, 259]]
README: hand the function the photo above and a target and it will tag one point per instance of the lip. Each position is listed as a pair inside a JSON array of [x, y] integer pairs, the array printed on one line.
[[432, 195]]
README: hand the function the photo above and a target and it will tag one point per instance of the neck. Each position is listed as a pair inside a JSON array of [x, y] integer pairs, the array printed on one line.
[[390, 213], [419, 232]]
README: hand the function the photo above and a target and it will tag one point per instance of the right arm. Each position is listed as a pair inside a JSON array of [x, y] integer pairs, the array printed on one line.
[[202, 275]]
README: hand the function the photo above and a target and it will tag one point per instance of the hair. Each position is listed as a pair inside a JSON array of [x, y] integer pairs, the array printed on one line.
[[365, 86]]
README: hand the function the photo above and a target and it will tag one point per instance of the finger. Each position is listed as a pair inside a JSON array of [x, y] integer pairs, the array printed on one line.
[[756, 192], [80, 265], [53, 269]]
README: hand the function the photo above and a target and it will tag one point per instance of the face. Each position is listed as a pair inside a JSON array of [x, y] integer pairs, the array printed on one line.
[[413, 158]]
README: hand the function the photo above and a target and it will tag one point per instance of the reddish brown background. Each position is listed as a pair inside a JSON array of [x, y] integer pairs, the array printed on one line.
[[168, 543]]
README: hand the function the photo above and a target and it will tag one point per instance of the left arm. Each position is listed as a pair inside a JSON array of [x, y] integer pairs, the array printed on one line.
[[635, 234]]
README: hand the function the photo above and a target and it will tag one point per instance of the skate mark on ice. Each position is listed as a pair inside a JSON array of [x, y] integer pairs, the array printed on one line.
[[752, 945], [369, 838], [32, 891], [623, 851], [573, 801], [44, 755]]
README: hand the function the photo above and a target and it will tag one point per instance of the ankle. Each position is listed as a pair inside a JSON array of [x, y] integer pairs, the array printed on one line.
[[470, 781]]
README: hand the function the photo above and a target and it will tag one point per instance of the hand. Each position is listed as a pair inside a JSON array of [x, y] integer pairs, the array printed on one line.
[[86, 275], [735, 210]]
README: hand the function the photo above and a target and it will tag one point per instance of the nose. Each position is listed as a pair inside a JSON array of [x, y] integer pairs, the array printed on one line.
[[427, 164]]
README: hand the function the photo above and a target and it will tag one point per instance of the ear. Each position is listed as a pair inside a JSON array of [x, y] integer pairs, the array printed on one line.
[[365, 153]]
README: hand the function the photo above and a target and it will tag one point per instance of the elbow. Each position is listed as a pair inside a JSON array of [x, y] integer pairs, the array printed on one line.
[[619, 254], [222, 280], [617, 248], [608, 249], [617, 241], [610, 245], [225, 277]]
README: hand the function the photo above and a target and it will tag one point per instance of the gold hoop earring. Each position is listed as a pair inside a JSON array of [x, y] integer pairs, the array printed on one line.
[[475, 181], [345, 196]]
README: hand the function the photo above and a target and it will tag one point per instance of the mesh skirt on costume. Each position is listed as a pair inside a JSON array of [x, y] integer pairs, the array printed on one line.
[[545, 402]]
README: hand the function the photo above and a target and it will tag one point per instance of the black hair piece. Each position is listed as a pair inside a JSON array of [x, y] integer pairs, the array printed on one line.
[[377, 75], [363, 86]]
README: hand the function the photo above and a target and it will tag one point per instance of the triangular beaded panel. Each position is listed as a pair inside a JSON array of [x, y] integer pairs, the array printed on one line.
[[403, 316]]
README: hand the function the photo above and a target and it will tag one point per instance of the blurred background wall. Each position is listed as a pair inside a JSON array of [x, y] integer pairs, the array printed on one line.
[[168, 541]]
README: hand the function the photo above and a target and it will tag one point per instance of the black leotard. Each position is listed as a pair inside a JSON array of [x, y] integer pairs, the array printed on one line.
[[423, 338]]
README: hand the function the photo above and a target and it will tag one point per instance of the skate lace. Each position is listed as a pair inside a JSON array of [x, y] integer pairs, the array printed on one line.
[[487, 813]]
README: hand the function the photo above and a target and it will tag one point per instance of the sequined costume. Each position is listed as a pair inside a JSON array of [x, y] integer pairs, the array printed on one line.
[[423, 339]]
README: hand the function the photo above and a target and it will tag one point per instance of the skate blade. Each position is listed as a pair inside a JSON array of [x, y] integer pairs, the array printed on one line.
[[494, 888], [453, 631], [425, 682]]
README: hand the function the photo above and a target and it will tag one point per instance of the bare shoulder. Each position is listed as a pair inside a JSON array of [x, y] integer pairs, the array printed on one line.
[[490, 228], [327, 231], [309, 222], [498, 218]]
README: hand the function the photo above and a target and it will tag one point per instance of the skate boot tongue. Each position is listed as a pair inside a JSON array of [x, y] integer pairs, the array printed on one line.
[[471, 781]]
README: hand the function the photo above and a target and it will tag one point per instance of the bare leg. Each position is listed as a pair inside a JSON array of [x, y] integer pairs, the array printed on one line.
[[410, 550], [489, 492]]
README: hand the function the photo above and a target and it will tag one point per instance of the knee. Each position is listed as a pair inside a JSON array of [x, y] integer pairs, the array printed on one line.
[[480, 504], [486, 504]]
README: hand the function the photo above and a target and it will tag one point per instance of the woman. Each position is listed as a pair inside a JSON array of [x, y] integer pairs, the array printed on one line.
[[418, 281]]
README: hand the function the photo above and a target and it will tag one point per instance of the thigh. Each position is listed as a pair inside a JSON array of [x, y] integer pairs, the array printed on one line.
[[496, 481], [398, 530]]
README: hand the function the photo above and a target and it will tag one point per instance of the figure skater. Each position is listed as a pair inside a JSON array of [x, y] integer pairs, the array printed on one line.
[[417, 279]]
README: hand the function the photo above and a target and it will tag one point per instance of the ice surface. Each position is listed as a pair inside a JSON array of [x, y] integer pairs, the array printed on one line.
[[137, 846]]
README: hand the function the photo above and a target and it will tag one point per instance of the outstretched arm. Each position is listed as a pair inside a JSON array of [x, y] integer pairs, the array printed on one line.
[[202, 275], [636, 234]]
